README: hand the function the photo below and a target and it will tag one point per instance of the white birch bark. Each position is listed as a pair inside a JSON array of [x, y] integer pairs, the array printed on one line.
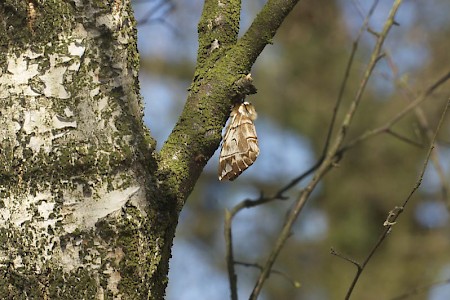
[[74, 158]]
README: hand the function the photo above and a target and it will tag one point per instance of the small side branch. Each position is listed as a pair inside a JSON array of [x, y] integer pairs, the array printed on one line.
[[393, 215], [421, 289], [232, 278], [294, 282], [388, 126]]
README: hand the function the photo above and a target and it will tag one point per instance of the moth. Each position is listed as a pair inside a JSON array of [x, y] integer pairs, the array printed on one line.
[[240, 143]]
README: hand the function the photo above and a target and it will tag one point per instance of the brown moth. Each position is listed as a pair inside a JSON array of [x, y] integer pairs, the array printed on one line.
[[240, 143]]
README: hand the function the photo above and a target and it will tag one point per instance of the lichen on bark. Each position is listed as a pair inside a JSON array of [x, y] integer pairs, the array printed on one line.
[[75, 158]]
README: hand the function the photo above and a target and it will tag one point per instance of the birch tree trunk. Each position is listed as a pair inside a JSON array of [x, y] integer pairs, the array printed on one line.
[[75, 157], [88, 210]]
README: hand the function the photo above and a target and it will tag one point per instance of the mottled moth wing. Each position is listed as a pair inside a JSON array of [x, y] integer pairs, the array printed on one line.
[[240, 144]]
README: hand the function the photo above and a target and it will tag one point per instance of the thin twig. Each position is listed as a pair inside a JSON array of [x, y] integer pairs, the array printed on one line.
[[421, 289], [395, 213], [337, 105], [430, 151], [350, 260], [229, 215], [343, 85], [404, 138], [232, 278], [294, 282], [427, 132], [163, 7], [330, 159], [397, 117], [361, 267]]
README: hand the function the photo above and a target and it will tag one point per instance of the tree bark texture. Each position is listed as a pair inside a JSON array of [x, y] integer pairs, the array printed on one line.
[[77, 211]]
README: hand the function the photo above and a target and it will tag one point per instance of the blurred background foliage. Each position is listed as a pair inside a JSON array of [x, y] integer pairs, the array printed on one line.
[[298, 80]]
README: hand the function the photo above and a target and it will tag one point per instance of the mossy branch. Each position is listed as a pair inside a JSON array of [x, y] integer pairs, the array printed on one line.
[[222, 64]]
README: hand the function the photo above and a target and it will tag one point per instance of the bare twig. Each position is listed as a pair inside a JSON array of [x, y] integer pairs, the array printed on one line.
[[342, 88], [330, 159], [294, 282], [248, 203], [350, 260], [343, 85], [395, 213], [163, 8], [427, 132], [390, 221], [232, 278], [397, 117], [404, 138], [295, 181], [444, 181], [421, 289], [430, 151]]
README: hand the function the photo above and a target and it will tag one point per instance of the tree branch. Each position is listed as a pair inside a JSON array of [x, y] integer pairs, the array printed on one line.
[[295, 283], [197, 133], [263, 29], [218, 30], [232, 277], [421, 98]]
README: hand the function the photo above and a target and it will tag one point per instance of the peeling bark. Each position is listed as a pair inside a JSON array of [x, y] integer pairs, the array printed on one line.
[[76, 210]]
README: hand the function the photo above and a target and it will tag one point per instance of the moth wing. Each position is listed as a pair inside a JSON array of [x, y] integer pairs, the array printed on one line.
[[240, 147]]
